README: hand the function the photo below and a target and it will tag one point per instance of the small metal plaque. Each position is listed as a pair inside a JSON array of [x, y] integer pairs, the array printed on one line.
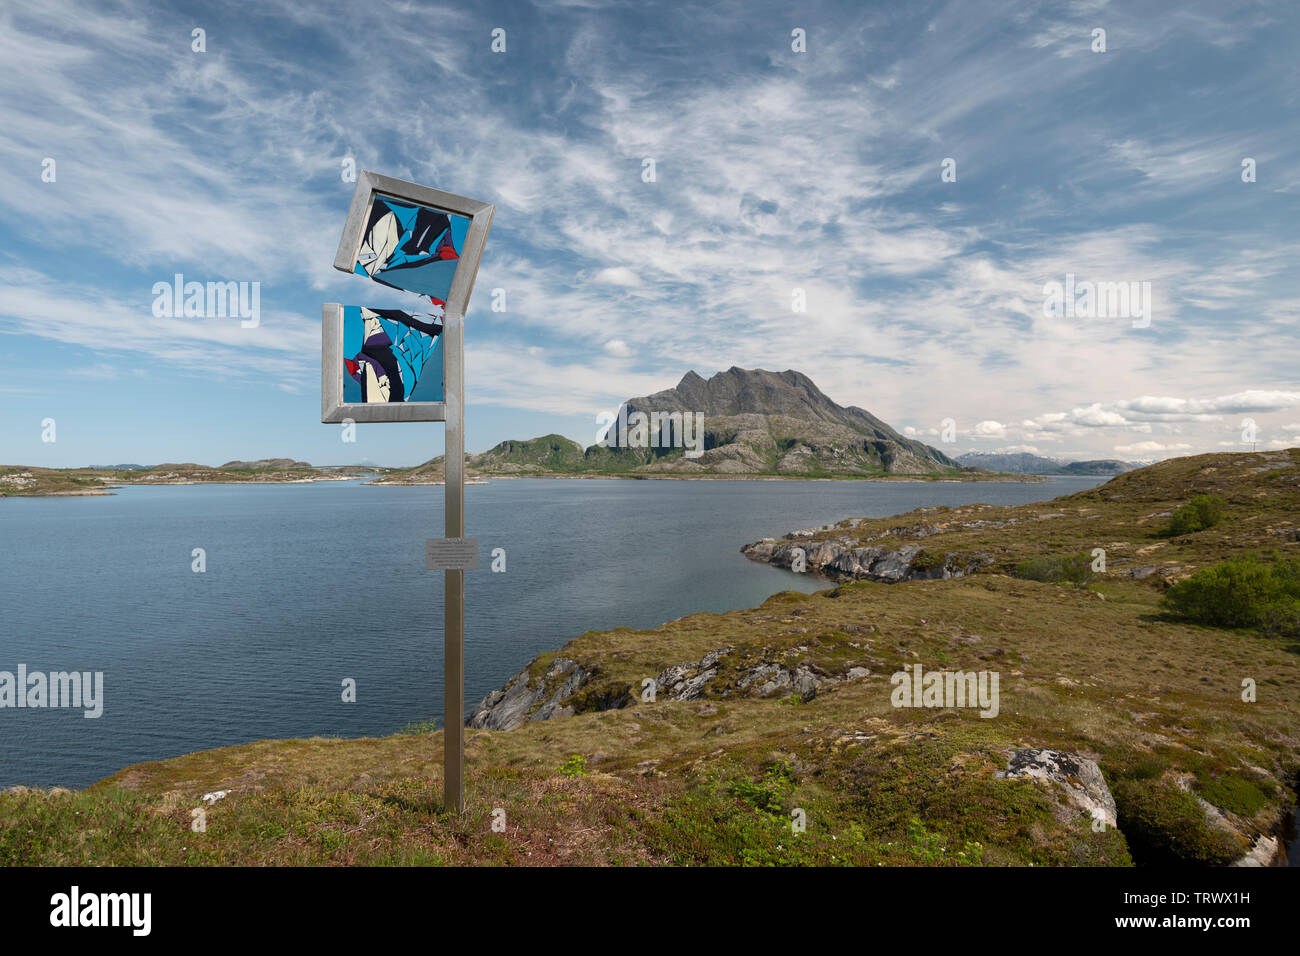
[[451, 554]]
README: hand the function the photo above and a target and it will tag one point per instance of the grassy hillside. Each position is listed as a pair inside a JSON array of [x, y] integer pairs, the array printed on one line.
[[1128, 517], [1198, 774]]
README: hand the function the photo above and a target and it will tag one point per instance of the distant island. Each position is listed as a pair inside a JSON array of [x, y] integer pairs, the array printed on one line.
[[1023, 463], [741, 423], [17, 481]]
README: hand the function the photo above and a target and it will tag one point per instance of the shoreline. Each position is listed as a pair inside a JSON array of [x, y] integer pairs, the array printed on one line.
[[916, 479], [107, 489]]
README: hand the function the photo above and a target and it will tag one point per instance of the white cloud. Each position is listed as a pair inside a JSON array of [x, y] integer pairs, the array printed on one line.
[[618, 275], [924, 301], [1183, 409]]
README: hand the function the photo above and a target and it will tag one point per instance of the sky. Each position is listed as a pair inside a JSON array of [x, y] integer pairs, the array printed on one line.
[[917, 173]]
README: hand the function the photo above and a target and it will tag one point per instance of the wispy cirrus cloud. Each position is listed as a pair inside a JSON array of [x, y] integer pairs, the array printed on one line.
[[776, 174]]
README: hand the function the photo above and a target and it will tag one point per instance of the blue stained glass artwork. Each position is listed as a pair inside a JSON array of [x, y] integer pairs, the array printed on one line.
[[410, 247], [391, 356]]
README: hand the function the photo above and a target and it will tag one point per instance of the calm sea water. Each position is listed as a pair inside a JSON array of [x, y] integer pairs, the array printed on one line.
[[307, 585]]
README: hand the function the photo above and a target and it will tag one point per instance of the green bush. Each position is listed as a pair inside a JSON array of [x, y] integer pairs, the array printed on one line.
[[1203, 511], [767, 795], [1242, 592], [1075, 569]]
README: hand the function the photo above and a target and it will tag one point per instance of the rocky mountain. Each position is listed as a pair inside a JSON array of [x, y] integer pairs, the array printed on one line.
[[1023, 463], [739, 422], [756, 421], [1098, 466]]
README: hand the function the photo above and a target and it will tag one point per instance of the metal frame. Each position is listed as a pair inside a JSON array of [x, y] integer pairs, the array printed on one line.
[[332, 407], [478, 213], [451, 410], [369, 185]]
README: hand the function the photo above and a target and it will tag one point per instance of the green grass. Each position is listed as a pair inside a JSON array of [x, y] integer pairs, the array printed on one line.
[[1235, 793]]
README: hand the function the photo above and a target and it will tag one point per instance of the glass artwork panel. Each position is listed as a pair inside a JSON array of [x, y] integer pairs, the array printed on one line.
[[391, 356], [410, 247]]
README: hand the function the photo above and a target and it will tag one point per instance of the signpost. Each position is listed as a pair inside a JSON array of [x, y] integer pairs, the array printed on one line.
[[389, 365]]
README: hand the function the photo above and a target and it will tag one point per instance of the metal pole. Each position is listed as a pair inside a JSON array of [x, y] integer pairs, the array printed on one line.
[[453, 735]]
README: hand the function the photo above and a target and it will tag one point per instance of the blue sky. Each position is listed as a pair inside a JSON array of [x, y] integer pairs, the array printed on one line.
[[775, 171]]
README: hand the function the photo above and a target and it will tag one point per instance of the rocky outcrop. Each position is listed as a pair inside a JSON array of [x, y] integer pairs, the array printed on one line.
[[524, 699], [1166, 574], [754, 675], [1263, 853], [845, 562], [773, 680], [686, 681], [566, 688], [1079, 778], [1082, 783]]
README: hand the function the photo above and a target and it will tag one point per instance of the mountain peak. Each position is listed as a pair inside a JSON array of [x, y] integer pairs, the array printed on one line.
[[750, 406]]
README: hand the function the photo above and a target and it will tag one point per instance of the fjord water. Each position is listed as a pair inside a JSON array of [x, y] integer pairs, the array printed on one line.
[[309, 584]]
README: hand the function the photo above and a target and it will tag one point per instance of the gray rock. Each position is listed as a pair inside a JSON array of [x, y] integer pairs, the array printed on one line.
[[508, 708], [694, 688], [504, 709], [768, 680], [1079, 777], [686, 681], [1140, 574], [554, 707], [805, 682], [837, 559], [1261, 854], [894, 565]]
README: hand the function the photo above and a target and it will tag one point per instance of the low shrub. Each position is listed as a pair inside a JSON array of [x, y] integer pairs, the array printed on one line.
[[575, 766], [1203, 511], [1242, 592], [1166, 826], [1074, 569]]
